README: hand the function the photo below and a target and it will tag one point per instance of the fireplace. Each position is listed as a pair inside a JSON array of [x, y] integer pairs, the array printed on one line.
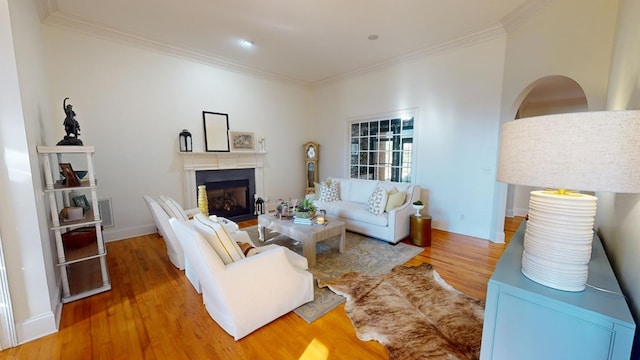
[[230, 192], [201, 162]]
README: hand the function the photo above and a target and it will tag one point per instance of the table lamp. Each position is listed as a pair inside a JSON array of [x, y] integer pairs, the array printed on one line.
[[586, 151]]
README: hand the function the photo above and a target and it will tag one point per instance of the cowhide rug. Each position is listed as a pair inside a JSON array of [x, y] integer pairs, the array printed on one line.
[[413, 312]]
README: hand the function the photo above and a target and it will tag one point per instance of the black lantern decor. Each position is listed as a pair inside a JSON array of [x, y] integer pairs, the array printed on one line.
[[185, 141]]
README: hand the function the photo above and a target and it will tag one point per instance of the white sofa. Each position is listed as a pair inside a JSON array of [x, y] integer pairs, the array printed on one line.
[[353, 208]]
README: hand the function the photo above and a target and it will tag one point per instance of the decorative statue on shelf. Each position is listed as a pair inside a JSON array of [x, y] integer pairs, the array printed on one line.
[[71, 125]]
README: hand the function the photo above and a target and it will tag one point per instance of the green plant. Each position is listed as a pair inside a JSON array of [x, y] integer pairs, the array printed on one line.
[[306, 205], [419, 202]]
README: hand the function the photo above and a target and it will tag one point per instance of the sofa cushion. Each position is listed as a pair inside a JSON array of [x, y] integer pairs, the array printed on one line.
[[377, 201], [360, 190], [329, 191], [352, 211], [395, 198], [217, 236], [344, 187]]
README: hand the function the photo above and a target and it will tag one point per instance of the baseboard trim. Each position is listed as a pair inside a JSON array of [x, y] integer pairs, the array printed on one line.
[[133, 231], [36, 327]]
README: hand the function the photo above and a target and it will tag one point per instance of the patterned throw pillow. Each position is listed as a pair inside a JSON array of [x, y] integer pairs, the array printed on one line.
[[377, 201], [329, 191]]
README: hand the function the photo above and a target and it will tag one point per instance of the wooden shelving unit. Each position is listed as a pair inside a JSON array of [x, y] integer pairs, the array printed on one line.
[[83, 268]]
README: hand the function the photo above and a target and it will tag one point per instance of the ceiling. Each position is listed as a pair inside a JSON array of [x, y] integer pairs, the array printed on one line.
[[307, 42]]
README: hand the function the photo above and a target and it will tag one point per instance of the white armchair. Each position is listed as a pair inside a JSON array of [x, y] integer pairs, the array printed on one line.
[[161, 219], [248, 293], [163, 208]]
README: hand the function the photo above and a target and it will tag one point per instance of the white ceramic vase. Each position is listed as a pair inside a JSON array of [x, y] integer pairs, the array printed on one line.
[[418, 208]]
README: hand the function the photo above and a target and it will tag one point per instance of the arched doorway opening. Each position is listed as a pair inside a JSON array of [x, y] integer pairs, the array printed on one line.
[[549, 95]]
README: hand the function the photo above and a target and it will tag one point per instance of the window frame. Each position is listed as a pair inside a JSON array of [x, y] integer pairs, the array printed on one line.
[[384, 149]]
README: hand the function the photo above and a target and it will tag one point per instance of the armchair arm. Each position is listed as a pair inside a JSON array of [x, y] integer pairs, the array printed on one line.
[[399, 217], [191, 212], [256, 290]]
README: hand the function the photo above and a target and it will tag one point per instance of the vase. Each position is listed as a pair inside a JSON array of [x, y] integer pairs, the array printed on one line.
[[203, 202], [418, 208]]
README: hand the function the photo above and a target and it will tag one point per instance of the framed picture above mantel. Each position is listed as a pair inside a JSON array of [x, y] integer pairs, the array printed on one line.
[[216, 129], [242, 141]]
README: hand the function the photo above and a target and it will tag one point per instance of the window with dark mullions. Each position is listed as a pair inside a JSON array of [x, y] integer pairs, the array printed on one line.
[[382, 149]]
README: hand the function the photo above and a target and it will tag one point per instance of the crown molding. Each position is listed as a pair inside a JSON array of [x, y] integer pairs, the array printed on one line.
[[67, 21], [490, 33], [50, 15], [522, 14], [46, 8]]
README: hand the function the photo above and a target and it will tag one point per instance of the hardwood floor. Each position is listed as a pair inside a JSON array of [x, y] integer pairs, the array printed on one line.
[[152, 312]]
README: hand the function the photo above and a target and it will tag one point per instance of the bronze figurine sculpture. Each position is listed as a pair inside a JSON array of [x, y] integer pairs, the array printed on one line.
[[71, 125]]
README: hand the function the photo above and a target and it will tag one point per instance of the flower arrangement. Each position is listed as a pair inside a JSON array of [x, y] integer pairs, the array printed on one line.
[[418, 203]]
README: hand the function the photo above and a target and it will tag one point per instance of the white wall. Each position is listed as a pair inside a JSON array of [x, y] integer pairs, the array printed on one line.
[[559, 40], [33, 282], [456, 128], [619, 214], [132, 102]]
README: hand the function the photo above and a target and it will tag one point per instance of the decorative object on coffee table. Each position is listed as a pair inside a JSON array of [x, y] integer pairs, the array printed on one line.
[[418, 205], [305, 209], [71, 126]]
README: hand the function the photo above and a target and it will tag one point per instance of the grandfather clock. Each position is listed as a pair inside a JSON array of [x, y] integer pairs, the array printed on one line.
[[311, 155]]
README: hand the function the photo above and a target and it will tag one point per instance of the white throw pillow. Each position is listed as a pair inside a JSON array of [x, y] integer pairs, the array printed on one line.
[[216, 235], [329, 191], [377, 201]]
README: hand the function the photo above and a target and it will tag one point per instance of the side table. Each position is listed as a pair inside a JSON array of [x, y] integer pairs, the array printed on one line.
[[420, 230]]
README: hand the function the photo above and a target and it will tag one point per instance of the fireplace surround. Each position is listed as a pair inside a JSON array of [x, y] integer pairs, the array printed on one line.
[[197, 162], [230, 192]]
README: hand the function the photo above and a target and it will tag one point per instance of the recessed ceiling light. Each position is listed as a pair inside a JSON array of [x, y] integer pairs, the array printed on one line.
[[373, 37], [247, 43]]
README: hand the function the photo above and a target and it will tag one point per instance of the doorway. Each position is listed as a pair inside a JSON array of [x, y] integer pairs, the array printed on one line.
[[549, 95]]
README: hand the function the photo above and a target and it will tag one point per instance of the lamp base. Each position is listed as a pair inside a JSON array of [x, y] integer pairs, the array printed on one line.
[[557, 240]]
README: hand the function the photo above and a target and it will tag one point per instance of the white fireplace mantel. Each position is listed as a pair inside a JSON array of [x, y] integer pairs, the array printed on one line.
[[195, 161]]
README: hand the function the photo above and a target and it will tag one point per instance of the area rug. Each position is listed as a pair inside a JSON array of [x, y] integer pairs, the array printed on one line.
[[413, 312], [363, 254]]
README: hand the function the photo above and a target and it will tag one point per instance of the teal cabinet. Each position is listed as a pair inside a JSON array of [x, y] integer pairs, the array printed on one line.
[[526, 320]]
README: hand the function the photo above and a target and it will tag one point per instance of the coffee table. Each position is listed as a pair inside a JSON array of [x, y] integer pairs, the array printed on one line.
[[308, 235]]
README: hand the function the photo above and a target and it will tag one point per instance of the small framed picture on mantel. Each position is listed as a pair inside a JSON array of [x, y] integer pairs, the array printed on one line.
[[242, 141]]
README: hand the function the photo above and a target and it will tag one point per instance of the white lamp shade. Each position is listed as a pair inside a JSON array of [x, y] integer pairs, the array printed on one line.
[[589, 151]]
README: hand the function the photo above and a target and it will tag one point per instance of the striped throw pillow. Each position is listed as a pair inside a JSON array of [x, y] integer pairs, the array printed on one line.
[[217, 236]]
